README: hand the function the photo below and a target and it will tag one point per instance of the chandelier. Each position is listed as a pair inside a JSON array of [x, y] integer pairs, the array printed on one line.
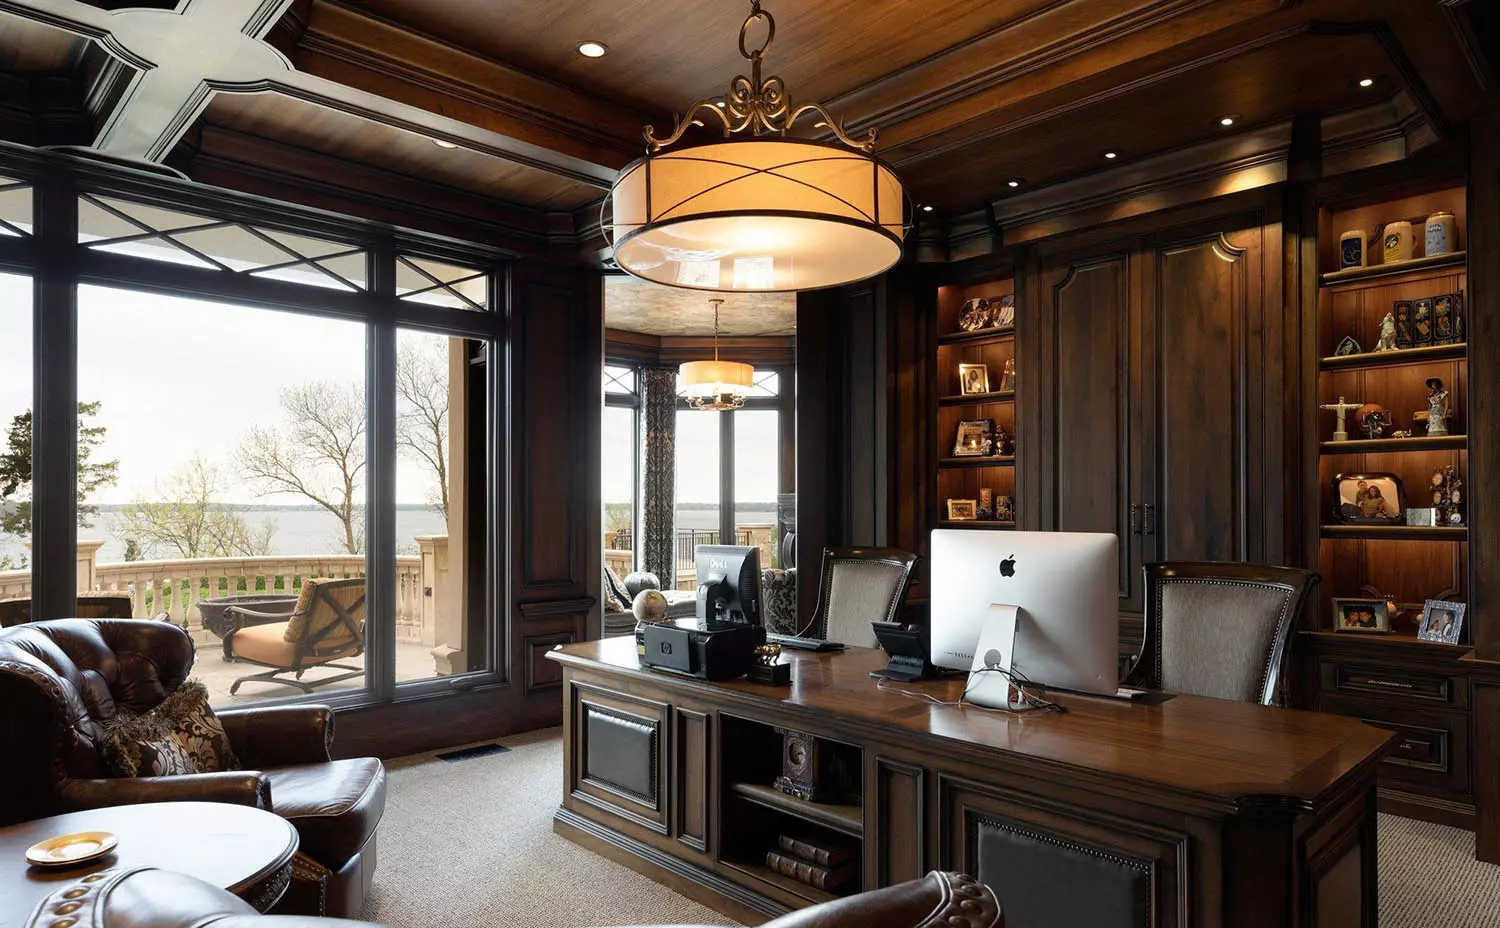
[[764, 212], [716, 385]]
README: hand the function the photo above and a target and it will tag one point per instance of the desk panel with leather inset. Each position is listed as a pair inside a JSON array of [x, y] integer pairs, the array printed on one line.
[[1192, 811]]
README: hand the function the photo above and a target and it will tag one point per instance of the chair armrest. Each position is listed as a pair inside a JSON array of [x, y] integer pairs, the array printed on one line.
[[279, 735], [241, 611], [240, 787], [926, 903]]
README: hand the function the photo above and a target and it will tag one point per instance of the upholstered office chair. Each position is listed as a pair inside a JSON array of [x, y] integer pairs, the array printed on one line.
[[1220, 629], [860, 586]]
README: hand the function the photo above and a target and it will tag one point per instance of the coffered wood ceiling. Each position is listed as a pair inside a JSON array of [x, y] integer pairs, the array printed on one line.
[[968, 95]]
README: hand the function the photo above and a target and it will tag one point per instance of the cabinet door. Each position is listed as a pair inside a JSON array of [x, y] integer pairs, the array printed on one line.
[[1204, 351], [1089, 419]]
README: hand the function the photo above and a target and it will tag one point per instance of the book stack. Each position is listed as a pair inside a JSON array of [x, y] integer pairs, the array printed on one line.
[[823, 865]]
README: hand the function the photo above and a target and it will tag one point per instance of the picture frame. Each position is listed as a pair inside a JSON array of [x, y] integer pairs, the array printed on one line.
[[1361, 615], [963, 510], [974, 438], [1442, 621], [973, 379], [1369, 499]]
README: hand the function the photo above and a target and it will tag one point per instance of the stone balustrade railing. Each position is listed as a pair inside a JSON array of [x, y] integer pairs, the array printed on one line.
[[175, 586]]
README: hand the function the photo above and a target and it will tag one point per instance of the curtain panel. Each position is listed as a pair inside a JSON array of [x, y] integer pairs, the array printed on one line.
[[659, 474]]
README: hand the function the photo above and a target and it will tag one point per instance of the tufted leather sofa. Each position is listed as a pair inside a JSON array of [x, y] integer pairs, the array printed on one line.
[[161, 899], [61, 680]]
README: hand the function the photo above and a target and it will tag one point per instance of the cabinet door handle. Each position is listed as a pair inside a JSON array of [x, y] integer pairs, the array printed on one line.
[[1371, 681], [1148, 521], [1135, 518]]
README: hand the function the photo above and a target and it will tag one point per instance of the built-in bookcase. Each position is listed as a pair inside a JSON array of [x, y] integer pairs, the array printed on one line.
[[963, 477], [1406, 563]]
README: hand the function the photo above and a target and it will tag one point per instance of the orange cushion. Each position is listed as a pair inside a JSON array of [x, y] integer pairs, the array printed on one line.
[[267, 644]]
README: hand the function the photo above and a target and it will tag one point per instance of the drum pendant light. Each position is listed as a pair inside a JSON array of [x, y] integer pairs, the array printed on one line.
[[716, 385]]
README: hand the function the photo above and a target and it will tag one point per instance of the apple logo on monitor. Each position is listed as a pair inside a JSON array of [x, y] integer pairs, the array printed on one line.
[[1008, 567]]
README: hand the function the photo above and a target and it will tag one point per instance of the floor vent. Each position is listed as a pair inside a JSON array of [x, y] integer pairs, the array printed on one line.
[[482, 750]]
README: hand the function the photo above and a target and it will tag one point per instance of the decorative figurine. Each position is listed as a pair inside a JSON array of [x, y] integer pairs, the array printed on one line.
[[1421, 322], [1352, 246], [986, 504], [1403, 323], [1005, 443], [1442, 233], [1396, 242], [1342, 410], [1387, 340], [1447, 495], [1008, 375], [1437, 407], [1005, 509], [1373, 419], [1347, 347]]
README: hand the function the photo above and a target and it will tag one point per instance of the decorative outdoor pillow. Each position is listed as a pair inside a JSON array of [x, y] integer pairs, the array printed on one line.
[[181, 735], [296, 627]]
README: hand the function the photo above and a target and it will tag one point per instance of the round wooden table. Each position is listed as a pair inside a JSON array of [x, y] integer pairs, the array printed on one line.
[[246, 851]]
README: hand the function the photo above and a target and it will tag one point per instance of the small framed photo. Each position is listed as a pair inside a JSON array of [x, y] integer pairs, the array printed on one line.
[[975, 438], [1361, 615], [1369, 499], [963, 510], [1441, 621], [973, 378]]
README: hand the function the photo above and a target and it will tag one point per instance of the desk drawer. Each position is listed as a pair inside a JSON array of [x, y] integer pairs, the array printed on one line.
[[1408, 686], [1432, 750]]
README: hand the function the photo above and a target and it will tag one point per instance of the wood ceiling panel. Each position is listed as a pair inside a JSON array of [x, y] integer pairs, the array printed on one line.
[[343, 135], [28, 46], [665, 55], [1059, 136]]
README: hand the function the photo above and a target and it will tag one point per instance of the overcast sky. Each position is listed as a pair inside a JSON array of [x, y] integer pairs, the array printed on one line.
[[179, 376]]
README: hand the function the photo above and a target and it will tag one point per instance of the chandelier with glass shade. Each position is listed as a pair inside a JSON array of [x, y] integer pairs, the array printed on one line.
[[716, 385], [764, 212]]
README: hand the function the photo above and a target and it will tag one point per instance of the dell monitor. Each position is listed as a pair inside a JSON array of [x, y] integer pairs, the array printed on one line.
[[728, 585], [1065, 586]]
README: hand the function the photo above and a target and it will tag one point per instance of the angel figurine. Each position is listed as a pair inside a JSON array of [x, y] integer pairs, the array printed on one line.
[[1387, 340], [1437, 407]]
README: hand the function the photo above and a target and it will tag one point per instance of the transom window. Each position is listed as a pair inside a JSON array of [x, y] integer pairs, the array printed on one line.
[[15, 208]]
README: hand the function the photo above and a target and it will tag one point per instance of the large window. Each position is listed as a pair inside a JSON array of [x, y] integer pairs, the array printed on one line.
[[620, 467], [277, 415]]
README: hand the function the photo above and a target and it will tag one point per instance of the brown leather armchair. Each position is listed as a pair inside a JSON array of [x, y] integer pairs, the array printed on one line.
[[61, 680], [162, 899]]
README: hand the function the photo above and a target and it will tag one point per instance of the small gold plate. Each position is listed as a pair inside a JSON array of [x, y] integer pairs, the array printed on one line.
[[71, 850]]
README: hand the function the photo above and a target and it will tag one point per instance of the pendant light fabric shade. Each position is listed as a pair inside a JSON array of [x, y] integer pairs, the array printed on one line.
[[758, 215], [716, 378]]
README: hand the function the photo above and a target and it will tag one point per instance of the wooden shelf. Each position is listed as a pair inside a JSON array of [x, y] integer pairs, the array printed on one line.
[[1381, 639], [846, 819], [978, 335], [975, 523], [1376, 271], [1389, 445], [1373, 359], [784, 883], [987, 460], [1399, 532], [977, 399]]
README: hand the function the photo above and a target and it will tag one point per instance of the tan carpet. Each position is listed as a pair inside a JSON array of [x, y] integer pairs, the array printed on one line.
[[471, 843]]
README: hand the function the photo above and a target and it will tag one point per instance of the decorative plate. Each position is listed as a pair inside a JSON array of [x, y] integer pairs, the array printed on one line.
[[71, 850]]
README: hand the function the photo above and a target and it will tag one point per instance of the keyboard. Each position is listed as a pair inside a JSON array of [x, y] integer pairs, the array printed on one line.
[[805, 644]]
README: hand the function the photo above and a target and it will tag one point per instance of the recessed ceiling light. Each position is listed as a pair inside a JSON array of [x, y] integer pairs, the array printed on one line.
[[1111, 155], [1228, 120], [927, 208], [1013, 183], [1367, 82], [593, 49], [443, 143]]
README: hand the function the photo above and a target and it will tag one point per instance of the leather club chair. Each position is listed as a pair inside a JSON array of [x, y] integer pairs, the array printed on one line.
[[61, 680], [145, 898]]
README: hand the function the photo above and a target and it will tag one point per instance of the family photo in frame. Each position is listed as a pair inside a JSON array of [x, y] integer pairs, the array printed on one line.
[[1441, 621]]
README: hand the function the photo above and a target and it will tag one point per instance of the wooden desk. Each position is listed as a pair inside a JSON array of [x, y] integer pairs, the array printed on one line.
[[1191, 812]]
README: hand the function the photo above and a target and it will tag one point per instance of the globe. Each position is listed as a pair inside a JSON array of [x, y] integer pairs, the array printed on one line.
[[649, 606]]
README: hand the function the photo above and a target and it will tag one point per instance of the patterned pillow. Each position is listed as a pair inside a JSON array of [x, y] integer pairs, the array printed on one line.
[[181, 735], [616, 597]]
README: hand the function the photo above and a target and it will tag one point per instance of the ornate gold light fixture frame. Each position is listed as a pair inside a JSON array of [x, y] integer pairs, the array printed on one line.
[[766, 212]]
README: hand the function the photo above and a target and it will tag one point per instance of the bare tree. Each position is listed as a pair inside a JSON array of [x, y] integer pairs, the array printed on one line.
[[422, 409], [184, 518], [317, 453]]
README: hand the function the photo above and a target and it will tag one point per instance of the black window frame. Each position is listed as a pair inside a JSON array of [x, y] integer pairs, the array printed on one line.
[[58, 264], [630, 401]]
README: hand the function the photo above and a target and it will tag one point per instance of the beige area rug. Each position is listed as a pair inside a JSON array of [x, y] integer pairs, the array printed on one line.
[[1430, 879], [471, 843]]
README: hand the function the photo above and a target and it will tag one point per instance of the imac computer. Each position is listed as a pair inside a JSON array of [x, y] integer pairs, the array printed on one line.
[[728, 585], [1063, 592]]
